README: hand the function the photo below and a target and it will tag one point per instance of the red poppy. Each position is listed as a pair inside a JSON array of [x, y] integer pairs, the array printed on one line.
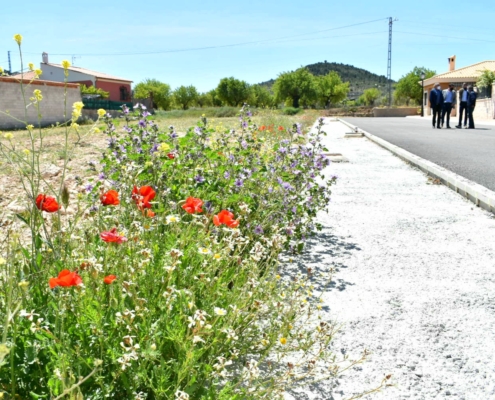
[[227, 218], [65, 278], [280, 128], [112, 236], [110, 198], [262, 127], [109, 279], [193, 205], [47, 203], [149, 213], [171, 156], [143, 195]]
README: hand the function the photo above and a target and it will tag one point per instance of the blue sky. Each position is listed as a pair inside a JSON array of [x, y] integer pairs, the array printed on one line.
[[282, 36]]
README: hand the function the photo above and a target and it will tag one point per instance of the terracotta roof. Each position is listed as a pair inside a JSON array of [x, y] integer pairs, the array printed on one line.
[[27, 75], [469, 73], [93, 73]]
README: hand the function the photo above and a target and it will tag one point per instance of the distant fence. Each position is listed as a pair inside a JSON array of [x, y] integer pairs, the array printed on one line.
[[95, 104]]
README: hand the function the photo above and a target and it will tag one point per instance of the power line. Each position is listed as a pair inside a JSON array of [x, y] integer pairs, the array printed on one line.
[[447, 37], [214, 47]]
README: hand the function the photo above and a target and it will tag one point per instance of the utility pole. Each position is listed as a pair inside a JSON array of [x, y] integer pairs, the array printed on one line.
[[10, 65], [389, 65]]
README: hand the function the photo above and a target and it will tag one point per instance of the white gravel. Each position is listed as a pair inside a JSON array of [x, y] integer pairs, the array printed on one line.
[[415, 280]]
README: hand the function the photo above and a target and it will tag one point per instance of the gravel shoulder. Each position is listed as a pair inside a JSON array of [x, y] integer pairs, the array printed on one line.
[[414, 281]]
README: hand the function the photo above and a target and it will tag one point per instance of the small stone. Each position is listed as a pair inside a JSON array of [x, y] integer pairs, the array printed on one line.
[[50, 171]]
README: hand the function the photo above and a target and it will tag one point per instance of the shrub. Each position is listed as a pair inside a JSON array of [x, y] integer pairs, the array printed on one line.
[[290, 111]]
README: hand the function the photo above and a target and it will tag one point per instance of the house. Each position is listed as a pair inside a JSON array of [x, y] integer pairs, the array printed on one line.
[[119, 88], [485, 105]]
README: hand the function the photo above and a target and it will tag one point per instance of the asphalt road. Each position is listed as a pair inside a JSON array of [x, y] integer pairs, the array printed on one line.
[[467, 152]]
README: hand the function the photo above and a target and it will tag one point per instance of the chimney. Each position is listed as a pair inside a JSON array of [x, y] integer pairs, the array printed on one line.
[[452, 63], [44, 56]]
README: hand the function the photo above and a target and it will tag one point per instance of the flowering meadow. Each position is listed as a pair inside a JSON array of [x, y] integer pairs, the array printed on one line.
[[166, 282]]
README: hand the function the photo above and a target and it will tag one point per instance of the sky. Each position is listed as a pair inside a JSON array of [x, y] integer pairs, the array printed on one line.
[[200, 42]]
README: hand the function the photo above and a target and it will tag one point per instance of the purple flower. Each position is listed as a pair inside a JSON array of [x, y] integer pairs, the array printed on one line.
[[270, 190], [199, 179], [289, 231], [244, 144], [154, 149], [198, 131], [146, 114], [102, 176], [127, 129], [142, 123], [239, 183], [244, 124], [93, 209], [226, 175], [249, 114], [282, 150], [208, 206], [294, 210], [287, 186], [89, 188], [258, 230], [173, 135]]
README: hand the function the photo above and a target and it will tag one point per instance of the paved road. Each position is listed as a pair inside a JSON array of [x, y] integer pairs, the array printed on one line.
[[469, 153]]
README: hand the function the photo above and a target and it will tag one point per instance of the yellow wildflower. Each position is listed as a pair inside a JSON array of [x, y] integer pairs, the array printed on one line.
[[78, 105], [3, 261], [1, 70], [8, 136], [37, 95], [31, 66], [148, 164], [101, 112], [283, 341], [23, 284], [74, 125], [278, 276], [26, 152], [164, 147], [217, 256], [65, 64], [76, 114], [37, 73], [30, 127], [18, 38], [96, 130]]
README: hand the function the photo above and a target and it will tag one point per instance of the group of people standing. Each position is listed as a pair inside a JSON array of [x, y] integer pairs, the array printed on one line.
[[443, 101]]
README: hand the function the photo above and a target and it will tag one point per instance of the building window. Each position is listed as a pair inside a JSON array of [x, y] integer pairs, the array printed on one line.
[[124, 93]]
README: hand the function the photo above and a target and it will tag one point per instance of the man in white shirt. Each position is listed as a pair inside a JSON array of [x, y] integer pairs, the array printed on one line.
[[463, 98], [449, 102]]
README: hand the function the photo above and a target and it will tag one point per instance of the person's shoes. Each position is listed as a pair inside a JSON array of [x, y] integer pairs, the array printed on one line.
[[465, 126], [439, 127], [458, 126], [448, 127], [442, 124], [433, 126]]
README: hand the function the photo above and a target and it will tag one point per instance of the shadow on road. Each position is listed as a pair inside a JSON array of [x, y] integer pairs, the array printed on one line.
[[322, 259]]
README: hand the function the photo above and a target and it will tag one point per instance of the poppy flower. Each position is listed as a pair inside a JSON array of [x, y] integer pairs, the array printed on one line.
[[143, 195], [262, 127], [65, 278], [227, 218], [193, 205], [112, 236], [149, 213], [280, 128], [109, 279], [171, 156], [47, 203], [110, 198]]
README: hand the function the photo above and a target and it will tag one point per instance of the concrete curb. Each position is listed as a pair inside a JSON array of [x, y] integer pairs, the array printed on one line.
[[478, 194]]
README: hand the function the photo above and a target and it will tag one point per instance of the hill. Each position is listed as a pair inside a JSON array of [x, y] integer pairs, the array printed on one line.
[[359, 79]]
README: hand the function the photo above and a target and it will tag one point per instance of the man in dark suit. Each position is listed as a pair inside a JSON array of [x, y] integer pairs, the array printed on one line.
[[471, 103], [463, 95], [436, 104]]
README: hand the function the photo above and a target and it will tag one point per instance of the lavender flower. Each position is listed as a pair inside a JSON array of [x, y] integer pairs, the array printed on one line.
[[226, 175], [102, 176], [89, 188], [142, 123], [244, 144], [146, 114], [199, 178], [258, 230], [127, 129], [239, 183], [208, 206]]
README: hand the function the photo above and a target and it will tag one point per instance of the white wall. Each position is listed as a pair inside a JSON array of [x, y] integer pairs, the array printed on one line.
[[52, 73]]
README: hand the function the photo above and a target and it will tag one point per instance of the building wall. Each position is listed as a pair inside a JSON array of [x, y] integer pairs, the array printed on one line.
[[51, 107], [53, 73], [113, 87]]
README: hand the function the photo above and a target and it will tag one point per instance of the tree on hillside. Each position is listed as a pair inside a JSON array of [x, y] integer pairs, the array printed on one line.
[[295, 86], [409, 86], [185, 96], [233, 91], [331, 89], [157, 91], [369, 96], [260, 97]]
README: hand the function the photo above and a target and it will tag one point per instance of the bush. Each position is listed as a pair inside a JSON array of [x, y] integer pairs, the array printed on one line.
[[290, 111]]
